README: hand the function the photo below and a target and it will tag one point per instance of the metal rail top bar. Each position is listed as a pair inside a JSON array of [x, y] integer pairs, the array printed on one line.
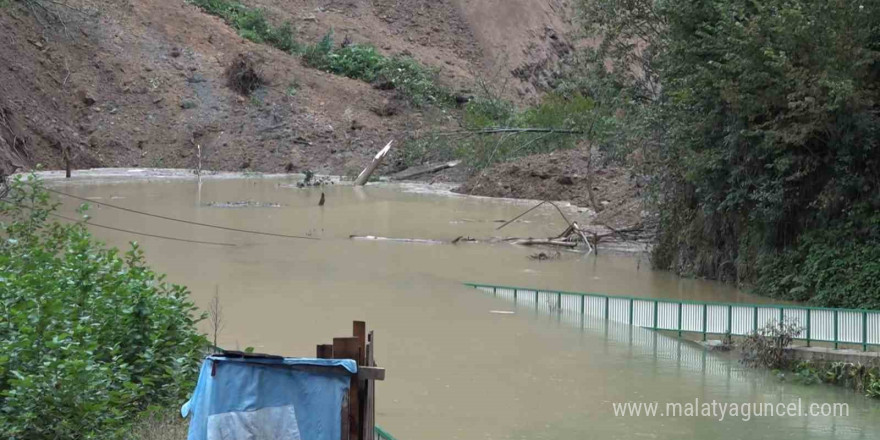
[[674, 301], [382, 434]]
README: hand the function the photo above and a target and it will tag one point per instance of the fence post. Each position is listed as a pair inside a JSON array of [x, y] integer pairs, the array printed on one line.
[[606, 308], [705, 319], [630, 311], [808, 327], [835, 329], [679, 318], [864, 331], [730, 319], [559, 302], [655, 315], [583, 299], [781, 315], [514, 296], [537, 296], [755, 326], [494, 290]]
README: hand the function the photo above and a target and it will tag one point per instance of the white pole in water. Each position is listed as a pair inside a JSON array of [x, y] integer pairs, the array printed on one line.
[[368, 171], [199, 174], [199, 169]]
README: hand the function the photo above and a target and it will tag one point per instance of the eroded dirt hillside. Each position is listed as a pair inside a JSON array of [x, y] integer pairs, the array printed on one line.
[[141, 82]]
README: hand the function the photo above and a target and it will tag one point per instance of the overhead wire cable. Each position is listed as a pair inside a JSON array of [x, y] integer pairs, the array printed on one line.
[[127, 231], [180, 220]]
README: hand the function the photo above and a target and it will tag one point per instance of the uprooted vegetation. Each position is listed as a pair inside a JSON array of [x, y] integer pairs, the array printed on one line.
[[862, 378], [768, 346], [243, 75]]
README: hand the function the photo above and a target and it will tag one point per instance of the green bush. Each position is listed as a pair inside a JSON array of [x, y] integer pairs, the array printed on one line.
[[251, 23], [414, 81], [318, 55], [570, 111], [358, 61], [833, 267], [859, 377], [485, 112], [762, 126], [88, 337]]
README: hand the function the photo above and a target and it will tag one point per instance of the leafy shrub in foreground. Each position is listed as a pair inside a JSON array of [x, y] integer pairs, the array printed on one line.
[[88, 337]]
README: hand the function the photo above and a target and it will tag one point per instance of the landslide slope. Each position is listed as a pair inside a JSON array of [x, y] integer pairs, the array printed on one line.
[[141, 82]]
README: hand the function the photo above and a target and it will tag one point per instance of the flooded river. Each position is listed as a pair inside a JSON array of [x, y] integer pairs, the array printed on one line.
[[455, 370]]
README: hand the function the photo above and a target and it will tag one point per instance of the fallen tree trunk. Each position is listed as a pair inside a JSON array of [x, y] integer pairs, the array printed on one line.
[[570, 238], [412, 172], [400, 240], [544, 241], [364, 176]]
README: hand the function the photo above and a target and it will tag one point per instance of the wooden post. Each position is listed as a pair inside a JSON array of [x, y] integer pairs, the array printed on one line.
[[325, 351], [349, 348], [835, 329], [705, 319], [809, 333], [359, 330], [369, 407], [364, 176], [66, 153], [680, 309]]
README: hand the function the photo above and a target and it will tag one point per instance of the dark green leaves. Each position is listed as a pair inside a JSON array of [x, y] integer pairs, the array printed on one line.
[[88, 337]]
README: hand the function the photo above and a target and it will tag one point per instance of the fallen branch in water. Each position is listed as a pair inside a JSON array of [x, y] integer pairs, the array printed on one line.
[[572, 237], [401, 240], [543, 241]]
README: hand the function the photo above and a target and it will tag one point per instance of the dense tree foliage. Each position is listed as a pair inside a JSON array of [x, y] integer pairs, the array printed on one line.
[[88, 337], [761, 124]]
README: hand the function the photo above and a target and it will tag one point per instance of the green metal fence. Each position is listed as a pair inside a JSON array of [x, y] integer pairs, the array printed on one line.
[[382, 435], [838, 326]]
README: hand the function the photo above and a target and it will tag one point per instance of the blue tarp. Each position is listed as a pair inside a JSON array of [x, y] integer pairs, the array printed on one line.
[[277, 399]]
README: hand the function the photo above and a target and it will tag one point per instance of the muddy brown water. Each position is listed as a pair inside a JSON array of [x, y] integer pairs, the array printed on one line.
[[455, 370]]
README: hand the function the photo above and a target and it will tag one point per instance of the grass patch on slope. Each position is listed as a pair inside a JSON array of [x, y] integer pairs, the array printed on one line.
[[415, 82], [251, 23]]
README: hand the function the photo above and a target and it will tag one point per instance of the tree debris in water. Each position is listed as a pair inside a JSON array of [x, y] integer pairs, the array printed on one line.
[[544, 256], [416, 171], [573, 237], [243, 204], [364, 176]]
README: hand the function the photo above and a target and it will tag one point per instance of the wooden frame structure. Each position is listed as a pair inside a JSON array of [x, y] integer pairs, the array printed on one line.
[[358, 408]]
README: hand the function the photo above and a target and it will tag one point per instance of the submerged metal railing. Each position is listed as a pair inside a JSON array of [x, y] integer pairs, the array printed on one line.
[[838, 326], [382, 435]]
